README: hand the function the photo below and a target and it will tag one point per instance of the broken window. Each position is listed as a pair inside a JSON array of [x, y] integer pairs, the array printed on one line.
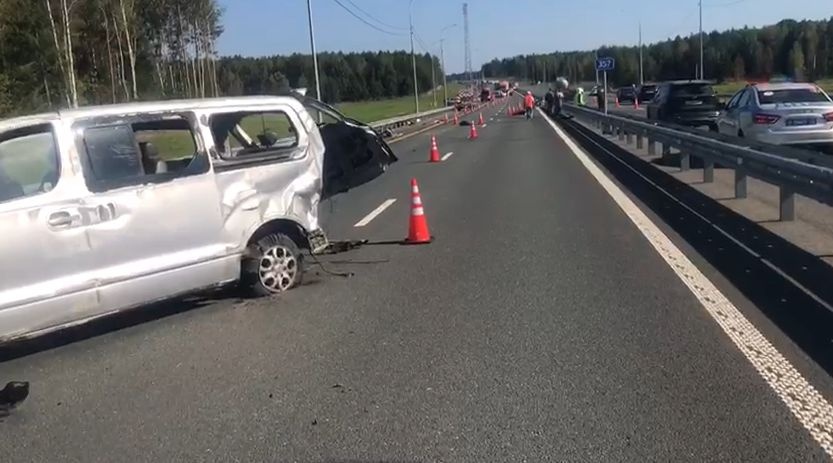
[[244, 134], [140, 151]]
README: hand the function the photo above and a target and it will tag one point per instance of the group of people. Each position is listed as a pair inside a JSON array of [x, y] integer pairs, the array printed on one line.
[[553, 102]]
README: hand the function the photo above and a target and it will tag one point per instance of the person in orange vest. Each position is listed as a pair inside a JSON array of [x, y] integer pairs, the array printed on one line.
[[529, 105]]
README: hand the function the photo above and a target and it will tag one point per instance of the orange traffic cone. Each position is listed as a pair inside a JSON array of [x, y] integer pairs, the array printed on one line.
[[434, 155], [636, 103], [473, 132], [480, 120], [617, 103], [418, 226]]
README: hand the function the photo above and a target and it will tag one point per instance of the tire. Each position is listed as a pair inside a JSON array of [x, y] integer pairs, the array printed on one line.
[[274, 265]]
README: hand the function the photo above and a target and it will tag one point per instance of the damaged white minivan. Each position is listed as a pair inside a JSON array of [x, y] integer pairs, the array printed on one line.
[[108, 208]]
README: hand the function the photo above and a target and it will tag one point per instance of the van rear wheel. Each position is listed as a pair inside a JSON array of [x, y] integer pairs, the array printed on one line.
[[274, 265]]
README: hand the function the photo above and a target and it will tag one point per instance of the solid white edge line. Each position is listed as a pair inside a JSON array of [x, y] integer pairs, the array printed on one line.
[[447, 155], [801, 398], [375, 212]]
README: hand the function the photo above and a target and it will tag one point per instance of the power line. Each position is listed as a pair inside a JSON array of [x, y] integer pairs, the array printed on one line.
[[376, 19], [365, 21], [721, 5]]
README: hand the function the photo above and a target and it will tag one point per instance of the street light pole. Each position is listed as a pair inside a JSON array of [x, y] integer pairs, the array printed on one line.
[[314, 54], [702, 74], [433, 80], [597, 69], [641, 68], [442, 62], [413, 57], [445, 82]]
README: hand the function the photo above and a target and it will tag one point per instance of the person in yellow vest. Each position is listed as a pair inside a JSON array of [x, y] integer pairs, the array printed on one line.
[[581, 98]]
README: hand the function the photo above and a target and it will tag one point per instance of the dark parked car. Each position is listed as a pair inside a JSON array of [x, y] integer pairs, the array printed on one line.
[[690, 102], [647, 92], [626, 95]]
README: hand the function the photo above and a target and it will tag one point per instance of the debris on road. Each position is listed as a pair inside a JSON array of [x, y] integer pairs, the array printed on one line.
[[12, 395]]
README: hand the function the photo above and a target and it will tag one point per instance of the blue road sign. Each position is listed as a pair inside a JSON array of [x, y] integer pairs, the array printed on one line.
[[605, 64]]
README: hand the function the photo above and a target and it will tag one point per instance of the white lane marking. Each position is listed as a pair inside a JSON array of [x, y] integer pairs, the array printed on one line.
[[483, 126], [447, 155], [800, 397], [373, 214]]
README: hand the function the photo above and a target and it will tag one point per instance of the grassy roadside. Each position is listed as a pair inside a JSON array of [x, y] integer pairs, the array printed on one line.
[[371, 111]]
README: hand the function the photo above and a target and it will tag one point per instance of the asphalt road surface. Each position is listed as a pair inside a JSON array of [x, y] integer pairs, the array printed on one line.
[[540, 325]]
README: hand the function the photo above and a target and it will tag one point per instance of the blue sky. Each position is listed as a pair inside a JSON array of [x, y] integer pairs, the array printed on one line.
[[499, 28]]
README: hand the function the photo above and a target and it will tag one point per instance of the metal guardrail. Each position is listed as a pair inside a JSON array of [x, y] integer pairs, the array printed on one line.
[[792, 171], [408, 119]]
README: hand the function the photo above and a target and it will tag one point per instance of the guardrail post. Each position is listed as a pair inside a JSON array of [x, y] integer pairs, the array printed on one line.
[[708, 171], [621, 132], [740, 183], [666, 151], [685, 160], [787, 208], [628, 137], [639, 143], [652, 146]]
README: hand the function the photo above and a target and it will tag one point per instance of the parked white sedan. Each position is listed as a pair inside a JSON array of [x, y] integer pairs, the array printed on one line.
[[781, 114]]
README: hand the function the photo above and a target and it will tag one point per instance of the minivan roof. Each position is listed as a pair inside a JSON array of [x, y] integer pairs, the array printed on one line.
[[143, 107]]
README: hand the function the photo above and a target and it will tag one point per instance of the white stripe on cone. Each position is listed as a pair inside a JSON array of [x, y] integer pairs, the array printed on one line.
[[417, 211]]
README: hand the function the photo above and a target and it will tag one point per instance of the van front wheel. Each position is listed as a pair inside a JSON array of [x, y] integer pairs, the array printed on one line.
[[274, 264]]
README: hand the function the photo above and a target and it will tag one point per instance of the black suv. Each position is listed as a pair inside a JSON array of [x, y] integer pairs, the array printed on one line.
[[647, 92], [690, 102], [626, 94]]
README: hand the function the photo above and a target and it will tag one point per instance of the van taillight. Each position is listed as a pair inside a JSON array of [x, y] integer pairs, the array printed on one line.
[[828, 117], [765, 119]]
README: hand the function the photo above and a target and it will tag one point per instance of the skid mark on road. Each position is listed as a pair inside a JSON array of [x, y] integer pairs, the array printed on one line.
[[802, 399], [375, 213]]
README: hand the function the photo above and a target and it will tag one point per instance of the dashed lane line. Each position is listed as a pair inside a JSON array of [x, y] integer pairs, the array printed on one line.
[[447, 155], [801, 398], [375, 213]]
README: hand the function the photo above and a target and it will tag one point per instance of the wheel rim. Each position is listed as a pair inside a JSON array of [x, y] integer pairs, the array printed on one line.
[[278, 269]]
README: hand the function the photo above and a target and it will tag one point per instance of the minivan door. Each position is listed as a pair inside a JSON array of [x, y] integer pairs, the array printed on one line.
[[160, 229], [43, 245], [354, 153]]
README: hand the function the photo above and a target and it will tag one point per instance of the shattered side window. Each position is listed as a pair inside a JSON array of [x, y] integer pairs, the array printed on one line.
[[139, 150], [113, 152], [249, 133]]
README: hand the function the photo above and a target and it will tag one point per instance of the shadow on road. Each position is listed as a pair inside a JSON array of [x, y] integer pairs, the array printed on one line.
[[114, 322], [803, 318]]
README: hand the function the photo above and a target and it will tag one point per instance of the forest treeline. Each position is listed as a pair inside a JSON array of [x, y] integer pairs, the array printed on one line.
[[800, 50], [66, 53]]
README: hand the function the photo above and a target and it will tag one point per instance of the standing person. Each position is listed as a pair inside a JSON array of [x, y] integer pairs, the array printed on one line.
[[529, 105], [558, 103], [548, 100], [580, 97], [601, 99]]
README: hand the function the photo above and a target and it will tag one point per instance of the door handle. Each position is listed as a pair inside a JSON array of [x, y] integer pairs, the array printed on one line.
[[59, 220]]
